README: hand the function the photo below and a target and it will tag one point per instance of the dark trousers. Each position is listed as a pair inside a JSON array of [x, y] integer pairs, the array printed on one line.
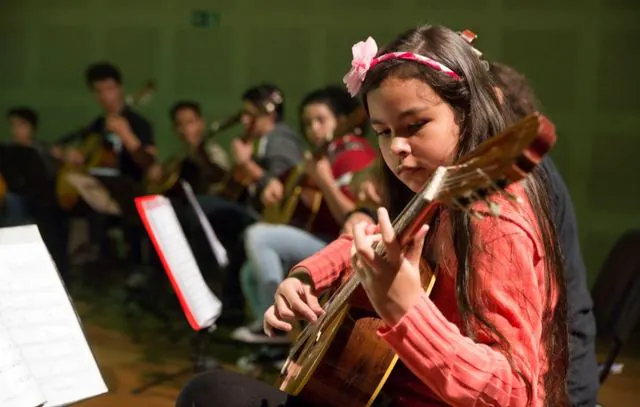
[[229, 221]]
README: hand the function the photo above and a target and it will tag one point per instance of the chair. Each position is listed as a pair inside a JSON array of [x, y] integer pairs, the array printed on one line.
[[616, 296]]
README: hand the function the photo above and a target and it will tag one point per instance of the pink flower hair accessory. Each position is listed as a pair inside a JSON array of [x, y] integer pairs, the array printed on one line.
[[363, 54], [364, 59]]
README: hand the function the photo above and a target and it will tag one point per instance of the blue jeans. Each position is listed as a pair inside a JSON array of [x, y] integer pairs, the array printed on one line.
[[272, 250], [229, 220]]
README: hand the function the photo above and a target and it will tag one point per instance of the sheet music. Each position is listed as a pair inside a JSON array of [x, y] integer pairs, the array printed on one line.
[[37, 313], [199, 301], [18, 387], [218, 249], [94, 193]]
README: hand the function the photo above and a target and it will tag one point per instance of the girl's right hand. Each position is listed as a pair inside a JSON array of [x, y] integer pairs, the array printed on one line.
[[294, 299]]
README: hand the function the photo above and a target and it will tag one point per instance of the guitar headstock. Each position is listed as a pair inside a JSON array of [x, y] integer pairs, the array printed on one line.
[[274, 100], [143, 95], [494, 165]]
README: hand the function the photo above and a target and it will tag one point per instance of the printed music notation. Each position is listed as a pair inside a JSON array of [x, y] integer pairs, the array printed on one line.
[[201, 307], [39, 329], [18, 387]]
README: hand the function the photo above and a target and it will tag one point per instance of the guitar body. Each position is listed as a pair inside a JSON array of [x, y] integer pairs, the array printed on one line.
[[236, 186], [171, 170], [346, 366], [345, 362], [96, 155], [301, 202]]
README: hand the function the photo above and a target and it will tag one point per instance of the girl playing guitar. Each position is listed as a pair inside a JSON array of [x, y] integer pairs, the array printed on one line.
[[493, 331]]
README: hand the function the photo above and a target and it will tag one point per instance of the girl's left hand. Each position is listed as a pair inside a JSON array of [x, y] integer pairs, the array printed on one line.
[[393, 281]]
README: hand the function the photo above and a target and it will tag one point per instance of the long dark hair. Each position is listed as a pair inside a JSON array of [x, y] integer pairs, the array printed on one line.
[[480, 115]]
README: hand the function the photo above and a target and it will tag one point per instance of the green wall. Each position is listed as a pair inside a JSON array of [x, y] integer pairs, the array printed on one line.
[[581, 56]]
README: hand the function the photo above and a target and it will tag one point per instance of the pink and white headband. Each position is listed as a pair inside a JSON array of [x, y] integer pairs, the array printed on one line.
[[364, 59]]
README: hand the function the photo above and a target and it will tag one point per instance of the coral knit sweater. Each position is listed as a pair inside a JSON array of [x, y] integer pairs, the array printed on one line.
[[440, 365]]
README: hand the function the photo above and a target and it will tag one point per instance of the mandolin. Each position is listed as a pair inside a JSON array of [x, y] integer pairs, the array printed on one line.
[[339, 360], [94, 150], [297, 186]]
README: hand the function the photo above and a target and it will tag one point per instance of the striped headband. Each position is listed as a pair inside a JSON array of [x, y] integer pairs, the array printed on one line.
[[364, 59]]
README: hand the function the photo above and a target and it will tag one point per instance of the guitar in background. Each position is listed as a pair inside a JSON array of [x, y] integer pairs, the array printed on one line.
[[98, 151]]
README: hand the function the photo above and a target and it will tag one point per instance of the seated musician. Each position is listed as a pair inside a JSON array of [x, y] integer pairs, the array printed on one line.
[[204, 162], [127, 132], [21, 208], [128, 143], [582, 379], [266, 149], [493, 331], [271, 248], [23, 125]]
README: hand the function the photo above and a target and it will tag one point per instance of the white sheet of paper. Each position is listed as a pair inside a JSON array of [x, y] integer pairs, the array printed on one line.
[[38, 314], [203, 304], [218, 249], [18, 386], [94, 193]]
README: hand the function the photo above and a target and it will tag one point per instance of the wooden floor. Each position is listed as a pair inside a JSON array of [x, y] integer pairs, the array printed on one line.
[[623, 389], [123, 368]]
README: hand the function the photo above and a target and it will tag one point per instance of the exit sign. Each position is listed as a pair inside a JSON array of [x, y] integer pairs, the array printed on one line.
[[204, 18]]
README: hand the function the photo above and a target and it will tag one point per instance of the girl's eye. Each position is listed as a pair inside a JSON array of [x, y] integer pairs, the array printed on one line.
[[383, 133], [415, 127]]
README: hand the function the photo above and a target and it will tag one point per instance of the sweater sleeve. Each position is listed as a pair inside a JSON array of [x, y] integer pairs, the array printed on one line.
[[328, 265], [283, 152], [466, 372]]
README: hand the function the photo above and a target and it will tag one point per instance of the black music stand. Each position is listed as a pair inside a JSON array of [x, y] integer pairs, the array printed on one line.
[[123, 190], [199, 362], [25, 172]]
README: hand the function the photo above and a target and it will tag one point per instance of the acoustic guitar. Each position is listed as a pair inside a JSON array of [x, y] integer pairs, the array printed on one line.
[[339, 360], [299, 188], [94, 151], [173, 166]]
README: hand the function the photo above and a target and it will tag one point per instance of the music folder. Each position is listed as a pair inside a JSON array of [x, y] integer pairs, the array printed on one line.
[[201, 307]]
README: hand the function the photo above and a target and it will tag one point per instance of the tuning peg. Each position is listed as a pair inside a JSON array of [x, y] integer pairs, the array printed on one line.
[[476, 214], [494, 208], [512, 198]]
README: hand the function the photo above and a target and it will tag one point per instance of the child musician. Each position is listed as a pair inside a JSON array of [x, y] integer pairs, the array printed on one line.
[[273, 248], [493, 331]]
